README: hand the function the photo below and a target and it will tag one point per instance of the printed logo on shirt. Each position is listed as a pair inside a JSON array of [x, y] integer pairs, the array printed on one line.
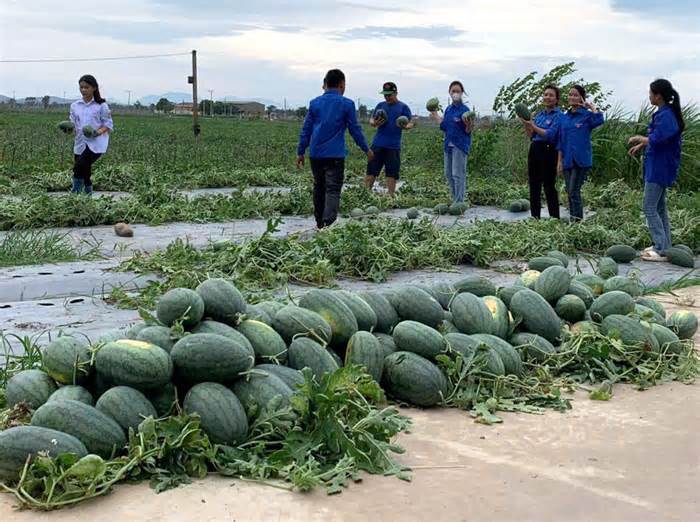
[[547, 122], [579, 125]]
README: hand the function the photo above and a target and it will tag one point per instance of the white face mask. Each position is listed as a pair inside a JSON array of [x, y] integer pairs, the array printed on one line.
[[456, 97]]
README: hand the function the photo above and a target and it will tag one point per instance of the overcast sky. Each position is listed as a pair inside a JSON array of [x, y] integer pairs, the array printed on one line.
[[273, 49]]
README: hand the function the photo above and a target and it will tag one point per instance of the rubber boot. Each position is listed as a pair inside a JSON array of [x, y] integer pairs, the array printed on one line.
[[78, 184]]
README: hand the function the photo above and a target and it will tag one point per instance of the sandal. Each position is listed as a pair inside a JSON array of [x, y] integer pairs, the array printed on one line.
[[653, 255]]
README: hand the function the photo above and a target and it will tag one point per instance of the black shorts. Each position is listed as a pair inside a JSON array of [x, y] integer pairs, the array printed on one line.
[[389, 159]]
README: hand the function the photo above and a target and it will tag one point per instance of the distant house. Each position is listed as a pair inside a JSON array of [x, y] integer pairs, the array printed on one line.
[[250, 109], [182, 108]]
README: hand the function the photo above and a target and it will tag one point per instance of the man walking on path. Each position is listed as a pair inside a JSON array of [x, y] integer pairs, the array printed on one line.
[[323, 133]]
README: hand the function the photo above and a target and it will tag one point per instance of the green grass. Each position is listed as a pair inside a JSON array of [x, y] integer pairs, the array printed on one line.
[[12, 360], [35, 155], [36, 247]]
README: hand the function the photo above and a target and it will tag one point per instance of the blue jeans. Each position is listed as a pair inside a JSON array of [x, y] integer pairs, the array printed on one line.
[[657, 216], [456, 173], [574, 179]]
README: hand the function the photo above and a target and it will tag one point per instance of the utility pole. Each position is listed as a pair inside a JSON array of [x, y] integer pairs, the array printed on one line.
[[211, 102], [128, 92], [193, 80]]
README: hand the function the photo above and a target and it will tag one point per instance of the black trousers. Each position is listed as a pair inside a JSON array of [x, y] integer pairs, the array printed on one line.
[[82, 167], [542, 173], [329, 174]]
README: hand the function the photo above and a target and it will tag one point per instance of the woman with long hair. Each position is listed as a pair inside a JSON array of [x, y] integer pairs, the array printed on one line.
[[542, 157], [662, 156], [92, 121], [575, 147]]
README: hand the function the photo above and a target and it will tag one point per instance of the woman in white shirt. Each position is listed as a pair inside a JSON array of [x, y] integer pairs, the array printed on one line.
[[93, 123]]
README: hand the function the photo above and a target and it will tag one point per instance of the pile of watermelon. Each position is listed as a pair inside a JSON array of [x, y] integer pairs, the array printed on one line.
[[209, 352]]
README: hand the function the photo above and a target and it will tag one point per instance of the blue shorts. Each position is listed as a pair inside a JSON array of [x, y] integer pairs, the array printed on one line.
[[388, 159]]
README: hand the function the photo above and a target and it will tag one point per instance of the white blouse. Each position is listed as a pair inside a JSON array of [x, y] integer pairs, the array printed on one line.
[[95, 114]]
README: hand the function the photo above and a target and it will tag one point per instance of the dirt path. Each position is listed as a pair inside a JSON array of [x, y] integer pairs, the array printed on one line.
[[634, 458]]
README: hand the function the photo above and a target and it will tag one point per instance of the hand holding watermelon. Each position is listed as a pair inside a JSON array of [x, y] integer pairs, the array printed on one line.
[[468, 119], [90, 132], [522, 111], [380, 118], [433, 105]]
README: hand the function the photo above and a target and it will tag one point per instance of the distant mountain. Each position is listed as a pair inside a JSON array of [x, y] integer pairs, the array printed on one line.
[[264, 101], [175, 97], [61, 101], [37, 100]]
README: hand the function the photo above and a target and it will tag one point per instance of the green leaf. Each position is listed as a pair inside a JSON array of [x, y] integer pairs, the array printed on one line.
[[483, 415], [89, 467]]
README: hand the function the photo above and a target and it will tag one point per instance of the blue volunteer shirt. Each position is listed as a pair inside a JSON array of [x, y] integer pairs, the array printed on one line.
[[388, 135], [575, 137], [453, 127], [663, 154], [549, 122], [324, 127]]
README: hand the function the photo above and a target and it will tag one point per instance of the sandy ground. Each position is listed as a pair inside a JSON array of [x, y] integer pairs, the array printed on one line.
[[636, 457]]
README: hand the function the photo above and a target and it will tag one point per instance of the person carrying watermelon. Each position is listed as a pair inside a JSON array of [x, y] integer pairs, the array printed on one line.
[[92, 123], [662, 156], [390, 117], [457, 125], [323, 132], [575, 147], [543, 131]]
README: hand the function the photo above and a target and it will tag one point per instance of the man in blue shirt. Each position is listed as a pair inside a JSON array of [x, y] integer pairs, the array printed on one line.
[[324, 131], [387, 141]]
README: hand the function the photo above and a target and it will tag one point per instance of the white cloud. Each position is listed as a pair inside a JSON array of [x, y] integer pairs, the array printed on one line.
[[491, 43]]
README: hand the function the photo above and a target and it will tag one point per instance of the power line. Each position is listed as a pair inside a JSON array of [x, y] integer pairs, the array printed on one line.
[[47, 60]]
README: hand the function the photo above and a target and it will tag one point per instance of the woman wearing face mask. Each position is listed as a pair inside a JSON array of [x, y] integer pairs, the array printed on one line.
[[458, 141], [542, 158], [92, 121], [662, 156], [575, 149]]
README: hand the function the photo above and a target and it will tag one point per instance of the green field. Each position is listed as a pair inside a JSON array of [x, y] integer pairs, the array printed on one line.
[[228, 153], [155, 156], [237, 153]]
